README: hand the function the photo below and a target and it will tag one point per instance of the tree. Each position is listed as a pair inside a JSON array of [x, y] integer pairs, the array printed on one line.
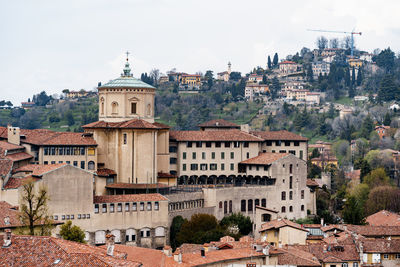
[[352, 91], [383, 198], [210, 78], [238, 219], [334, 43], [264, 79], [275, 88], [269, 62], [155, 75], [65, 91], [275, 60], [377, 178], [70, 118], [388, 90], [359, 77], [235, 76], [353, 212], [322, 43], [72, 232], [34, 207], [41, 99], [387, 121], [176, 225], [363, 166], [385, 59], [353, 76], [315, 153], [367, 127]]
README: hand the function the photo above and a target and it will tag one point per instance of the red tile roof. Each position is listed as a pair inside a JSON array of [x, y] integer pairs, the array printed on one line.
[[222, 135], [5, 166], [47, 137], [19, 156], [381, 246], [375, 231], [50, 251], [219, 123], [165, 175], [135, 186], [8, 146], [130, 124], [279, 135], [104, 172], [146, 256], [265, 158], [291, 255], [334, 253], [14, 183], [384, 218], [39, 169], [287, 62], [129, 198], [279, 223], [311, 182]]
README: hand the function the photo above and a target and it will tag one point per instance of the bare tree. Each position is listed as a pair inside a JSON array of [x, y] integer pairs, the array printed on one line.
[[322, 42], [346, 42], [34, 209], [155, 74], [334, 43]]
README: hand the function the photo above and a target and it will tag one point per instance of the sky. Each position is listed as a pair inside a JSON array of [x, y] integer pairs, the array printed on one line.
[[54, 45]]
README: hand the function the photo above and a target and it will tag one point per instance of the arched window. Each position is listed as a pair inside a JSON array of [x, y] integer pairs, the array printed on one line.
[[302, 207], [130, 235], [117, 235], [263, 203], [102, 105], [100, 237], [283, 195], [148, 110], [243, 205], [257, 202], [291, 209], [91, 165], [145, 232], [225, 207], [250, 205], [160, 231], [283, 209], [114, 107], [220, 204], [230, 206]]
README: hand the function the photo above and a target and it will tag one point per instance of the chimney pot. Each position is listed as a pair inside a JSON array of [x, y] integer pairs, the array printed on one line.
[[7, 238], [110, 242]]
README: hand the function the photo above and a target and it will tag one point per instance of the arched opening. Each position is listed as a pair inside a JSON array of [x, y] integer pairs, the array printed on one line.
[[117, 235], [160, 231], [100, 237], [102, 105], [91, 165], [148, 110], [114, 108], [130, 235]]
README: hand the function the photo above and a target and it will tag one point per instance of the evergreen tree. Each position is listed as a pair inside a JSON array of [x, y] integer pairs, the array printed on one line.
[[275, 88], [386, 60], [331, 111], [72, 232], [359, 77], [310, 73], [388, 90], [387, 119], [353, 76], [269, 62], [275, 61], [352, 92], [265, 80], [367, 127], [347, 77]]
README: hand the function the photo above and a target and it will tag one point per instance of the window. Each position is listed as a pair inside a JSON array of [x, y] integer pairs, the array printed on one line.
[[282, 151], [291, 209], [148, 205], [96, 208], [194, 155], [217, 144], [212, 155], [301, 154], [283, 209], [76, 163], [397, 256], [222, 167], [230, 206], [173, 160], [134, 206], [125, 138], [243, 205], [345, 264], [208, 144], [189, 144], [268, 143], [263, 203], [291, 168], [296, 143], [173, 149], [256, 202], [82, 165], [232, 167], [91, 151], [246, 144], [225, 207], [61, 151], [385, 256], [283, 195], [302, 194], [56, 217], [156, 206], [91, 165], [82, 150], [236, 144], [203, 155], [292, 152], [277, 143], [194, 167], [232, 155], [291, 181], [227, 144], [213, 167], [141, 205], [265, 217], [104, 208], [302, 207], [62, 217], [72, 217], [184, 167], [112, 207], [126, 206], [222, 155], [273, 151], [203, 167], [355, 264], [67, 151], [184, 155], [46, 151], [199, 144], [79, 216], [133, 108], [287, 143], [68, 162], [148, 110], [220, 205], [250, 205], [53, 162]]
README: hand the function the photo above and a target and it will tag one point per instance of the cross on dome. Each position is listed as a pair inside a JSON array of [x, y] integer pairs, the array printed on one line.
[[127, 69]]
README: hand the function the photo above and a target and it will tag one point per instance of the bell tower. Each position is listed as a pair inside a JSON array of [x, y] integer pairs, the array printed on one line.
[[126, 98]]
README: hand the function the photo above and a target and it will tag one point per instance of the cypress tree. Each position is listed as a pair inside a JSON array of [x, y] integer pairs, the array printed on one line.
[[359, 77], [275, 61], [269, 62]]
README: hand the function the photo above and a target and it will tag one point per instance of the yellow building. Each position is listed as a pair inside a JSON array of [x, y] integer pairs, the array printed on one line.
[[355, 62], [191, 79], [380, 252]]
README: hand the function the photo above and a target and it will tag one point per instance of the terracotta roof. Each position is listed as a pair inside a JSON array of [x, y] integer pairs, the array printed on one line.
[[265, 158], [279, 223], [39, 169], [279, 135], [353, 175], [105, 172], [165, 175], [47, 137], [135, 186], [3, 131], [312, 225], [161, 125], [129, 198], [384, 218], [14, 183], [311, 182], [375, 231], [8, 146], [146, 256], [381, 245], [334, 253], [219, 123], [315, 237], [51, 251], [287, 62], [222, 135], [19, 156], [130, 124], [291, 255], [5, 166]]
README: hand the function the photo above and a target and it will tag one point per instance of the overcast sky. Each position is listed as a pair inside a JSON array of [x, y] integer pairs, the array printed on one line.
[[52, 45]]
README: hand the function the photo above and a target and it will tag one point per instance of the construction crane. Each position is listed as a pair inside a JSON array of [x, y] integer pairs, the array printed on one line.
[[352, 36]]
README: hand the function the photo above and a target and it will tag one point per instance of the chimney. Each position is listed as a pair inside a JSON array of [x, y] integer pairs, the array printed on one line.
[[325, 249], [13, 135], [7, 238], [361, 252], [178, 255], [266, 250], [167, 251], [322, 221], [110, 241]]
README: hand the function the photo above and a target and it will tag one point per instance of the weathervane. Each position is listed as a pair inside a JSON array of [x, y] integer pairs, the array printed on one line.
[[127, 55]]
